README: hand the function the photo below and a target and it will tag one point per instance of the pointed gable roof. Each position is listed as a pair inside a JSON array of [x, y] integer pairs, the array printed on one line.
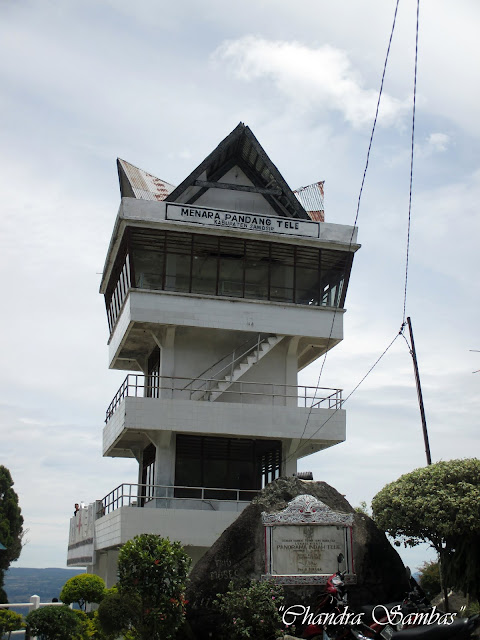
[[240, 148], [137, 183]]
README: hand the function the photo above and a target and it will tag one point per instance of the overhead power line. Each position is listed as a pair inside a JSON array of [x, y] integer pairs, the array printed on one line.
[[356, 214], [401, 332]]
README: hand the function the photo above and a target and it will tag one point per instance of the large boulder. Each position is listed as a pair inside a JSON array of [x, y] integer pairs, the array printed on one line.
[[239, 556]]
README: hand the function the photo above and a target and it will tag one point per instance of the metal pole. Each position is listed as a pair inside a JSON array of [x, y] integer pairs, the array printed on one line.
[[419, 393]]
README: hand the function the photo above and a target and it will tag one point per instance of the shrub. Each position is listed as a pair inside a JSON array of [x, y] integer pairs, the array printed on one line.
[[117, 613], [54, 623], [153, 570], [9, 621], [83, 589], [252, 612]]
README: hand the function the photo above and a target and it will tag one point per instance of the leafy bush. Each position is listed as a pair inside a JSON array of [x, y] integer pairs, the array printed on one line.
[[54, 623], [90, 628], [117, 612], [84, 588], [153, 571], [251, 612], [9, 621]]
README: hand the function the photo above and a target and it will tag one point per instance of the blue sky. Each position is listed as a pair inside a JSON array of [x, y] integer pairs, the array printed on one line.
[[160, 84]]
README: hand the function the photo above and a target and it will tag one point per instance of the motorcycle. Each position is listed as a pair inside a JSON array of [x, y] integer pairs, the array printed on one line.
[[412, 619]]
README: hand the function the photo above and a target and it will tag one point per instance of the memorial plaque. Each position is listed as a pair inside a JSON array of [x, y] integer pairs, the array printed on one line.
[[303, 542], [301, 549]]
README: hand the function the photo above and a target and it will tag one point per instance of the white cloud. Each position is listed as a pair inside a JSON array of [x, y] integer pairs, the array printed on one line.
[[434, 143], [438, 141], [321, 78]]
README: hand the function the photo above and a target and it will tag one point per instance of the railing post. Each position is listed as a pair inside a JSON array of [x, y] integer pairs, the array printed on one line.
[[258, 346], [35, 604]]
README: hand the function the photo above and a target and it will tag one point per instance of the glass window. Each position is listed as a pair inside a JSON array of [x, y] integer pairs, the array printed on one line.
[[148, 265], [281, 273], [257, 258], [178, 266], [307, 276], [231, 267], [333, 273], [205, 264], [228, 266]]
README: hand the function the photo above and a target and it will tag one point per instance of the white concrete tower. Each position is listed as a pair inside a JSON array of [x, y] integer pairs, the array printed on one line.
[[217, 293]]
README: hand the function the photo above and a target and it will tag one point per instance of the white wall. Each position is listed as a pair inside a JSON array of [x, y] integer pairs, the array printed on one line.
[[199, 528]]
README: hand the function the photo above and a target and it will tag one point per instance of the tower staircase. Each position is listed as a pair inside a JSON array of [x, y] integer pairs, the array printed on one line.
[[223, 374]]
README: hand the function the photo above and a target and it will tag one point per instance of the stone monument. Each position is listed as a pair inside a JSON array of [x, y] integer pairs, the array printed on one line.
[[307, 517]]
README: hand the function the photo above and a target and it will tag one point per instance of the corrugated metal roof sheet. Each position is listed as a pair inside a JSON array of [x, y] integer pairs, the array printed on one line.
[[311, 199], [142, 184]]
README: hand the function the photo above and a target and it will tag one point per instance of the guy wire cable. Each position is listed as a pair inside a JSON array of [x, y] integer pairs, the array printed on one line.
[[349, 395], [411, 166]]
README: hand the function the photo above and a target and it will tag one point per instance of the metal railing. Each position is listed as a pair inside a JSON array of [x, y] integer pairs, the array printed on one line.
[[141, 386], [166, 496], [31, 606]]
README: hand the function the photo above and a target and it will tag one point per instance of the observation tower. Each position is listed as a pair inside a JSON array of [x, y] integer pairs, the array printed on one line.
[[218, 292]]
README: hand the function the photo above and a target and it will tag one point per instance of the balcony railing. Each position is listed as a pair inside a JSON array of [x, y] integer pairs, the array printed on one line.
[[140, 386], [144, 495]]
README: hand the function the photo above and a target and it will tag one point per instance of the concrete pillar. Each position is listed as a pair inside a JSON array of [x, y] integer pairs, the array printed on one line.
[[291, 372], [106, 567], [164, 442], [167, 362]]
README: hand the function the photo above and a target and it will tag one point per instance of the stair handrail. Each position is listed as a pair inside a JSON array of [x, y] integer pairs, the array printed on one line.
[[260, 338], [256, 345]]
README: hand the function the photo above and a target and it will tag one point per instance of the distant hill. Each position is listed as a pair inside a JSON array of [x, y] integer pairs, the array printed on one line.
[[21, 583]]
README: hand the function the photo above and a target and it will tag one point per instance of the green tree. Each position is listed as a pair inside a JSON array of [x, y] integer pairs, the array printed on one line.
[[83, 589], [54, 623], [439, 504], [153, 571], [430, 579], [11, 526], [10, 621]]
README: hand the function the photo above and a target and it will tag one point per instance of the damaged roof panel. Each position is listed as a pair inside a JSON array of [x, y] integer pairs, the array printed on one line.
[[137, 183]]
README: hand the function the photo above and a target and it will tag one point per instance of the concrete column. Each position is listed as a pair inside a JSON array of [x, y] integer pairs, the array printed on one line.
[[165, 458], [164, 442], [167, 361], [106, 567], [291, 369], [140, 471]]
